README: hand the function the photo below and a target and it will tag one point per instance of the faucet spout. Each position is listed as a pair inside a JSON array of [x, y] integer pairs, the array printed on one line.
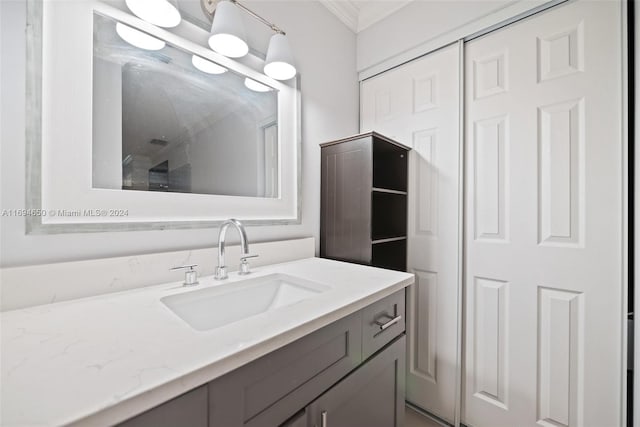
[[221, 270]]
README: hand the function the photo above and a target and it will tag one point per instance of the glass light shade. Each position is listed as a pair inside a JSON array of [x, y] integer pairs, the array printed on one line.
[[138, 38], [227, 31], [163, 13], [255, 86], [207, 66], [279, 64]]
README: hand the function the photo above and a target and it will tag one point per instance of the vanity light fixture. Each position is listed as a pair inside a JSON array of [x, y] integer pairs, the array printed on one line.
[[138, 39], [207, 66], [255, 86], [163, 13], [279, 64], [228, 39], [227, 31]]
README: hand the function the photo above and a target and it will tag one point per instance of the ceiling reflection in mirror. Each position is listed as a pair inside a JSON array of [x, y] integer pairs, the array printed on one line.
[[166, 120]]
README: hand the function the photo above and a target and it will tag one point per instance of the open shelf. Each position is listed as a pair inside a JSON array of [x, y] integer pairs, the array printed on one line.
[[388, 215], [389, 166], [390, 255]]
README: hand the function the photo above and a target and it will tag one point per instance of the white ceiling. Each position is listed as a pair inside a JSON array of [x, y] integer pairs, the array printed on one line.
[[360, 14]]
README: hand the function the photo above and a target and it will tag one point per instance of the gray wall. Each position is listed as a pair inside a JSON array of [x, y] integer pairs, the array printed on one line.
[[325, 51]]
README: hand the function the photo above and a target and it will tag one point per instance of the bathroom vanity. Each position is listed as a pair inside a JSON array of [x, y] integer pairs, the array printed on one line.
[[352, 372], [328, 350]]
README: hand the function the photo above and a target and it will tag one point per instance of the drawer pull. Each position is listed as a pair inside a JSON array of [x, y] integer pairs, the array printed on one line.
[[323, 419], [392, 321]]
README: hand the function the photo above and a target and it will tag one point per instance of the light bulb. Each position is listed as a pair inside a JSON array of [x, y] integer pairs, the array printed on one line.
[[138, 39], [280, 70], [255, 86], [227, 31], [162, 13], [207, 66], [279, 62]]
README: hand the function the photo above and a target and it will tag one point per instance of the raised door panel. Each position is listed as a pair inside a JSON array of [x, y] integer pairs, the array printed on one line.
[[543, 241], [371, 396], [427, 93]]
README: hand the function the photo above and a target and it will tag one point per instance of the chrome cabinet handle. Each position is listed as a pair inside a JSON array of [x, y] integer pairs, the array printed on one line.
[[323, 419], [392, 321]]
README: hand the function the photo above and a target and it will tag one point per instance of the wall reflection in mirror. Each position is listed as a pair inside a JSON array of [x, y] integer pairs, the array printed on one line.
[[166, 120]]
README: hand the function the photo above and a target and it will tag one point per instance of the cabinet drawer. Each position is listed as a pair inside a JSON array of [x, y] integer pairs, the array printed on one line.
[[382, 322], [270, 390]]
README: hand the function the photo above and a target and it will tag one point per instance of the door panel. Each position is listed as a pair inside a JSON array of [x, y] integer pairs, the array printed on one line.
[[417, 104], [543, 220]]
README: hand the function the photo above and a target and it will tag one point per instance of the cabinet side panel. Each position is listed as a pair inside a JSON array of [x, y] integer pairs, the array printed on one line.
[[346, 201]]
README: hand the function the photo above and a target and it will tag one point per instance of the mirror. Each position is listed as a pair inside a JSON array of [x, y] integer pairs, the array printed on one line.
[[167, 120], [124, 138]]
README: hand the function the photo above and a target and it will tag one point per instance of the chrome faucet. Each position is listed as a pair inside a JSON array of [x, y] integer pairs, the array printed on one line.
[[221, 269]]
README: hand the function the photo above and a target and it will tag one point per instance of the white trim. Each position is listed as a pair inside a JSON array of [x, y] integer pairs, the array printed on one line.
[[624, 87], [457, 414], [346, 11], [358, 18], [636, 219], [378, 10], [482, 23]]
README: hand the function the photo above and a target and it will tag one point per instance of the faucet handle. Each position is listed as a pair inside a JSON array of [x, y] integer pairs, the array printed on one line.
[[190, 275], [180, 267], [244, 264]]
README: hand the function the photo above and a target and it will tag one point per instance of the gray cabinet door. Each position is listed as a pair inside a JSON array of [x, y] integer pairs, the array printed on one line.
[[188, 410], [269, 391], [372, 396]]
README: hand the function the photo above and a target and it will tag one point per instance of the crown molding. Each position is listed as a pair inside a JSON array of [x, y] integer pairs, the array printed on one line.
[[374, 11], [358, 15], [345, 10]]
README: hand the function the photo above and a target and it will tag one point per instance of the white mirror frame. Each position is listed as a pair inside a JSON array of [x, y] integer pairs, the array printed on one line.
[[60, 196]]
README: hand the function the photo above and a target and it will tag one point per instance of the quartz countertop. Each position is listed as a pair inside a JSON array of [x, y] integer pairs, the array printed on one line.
[[101, 360]]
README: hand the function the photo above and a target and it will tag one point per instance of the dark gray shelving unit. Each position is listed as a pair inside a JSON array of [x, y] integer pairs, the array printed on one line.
[[363, 215]]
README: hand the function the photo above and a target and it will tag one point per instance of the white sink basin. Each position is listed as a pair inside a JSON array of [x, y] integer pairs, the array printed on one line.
[[218, 306]]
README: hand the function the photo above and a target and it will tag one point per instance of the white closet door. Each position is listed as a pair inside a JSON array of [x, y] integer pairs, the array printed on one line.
[[543, 221], [417, 104]]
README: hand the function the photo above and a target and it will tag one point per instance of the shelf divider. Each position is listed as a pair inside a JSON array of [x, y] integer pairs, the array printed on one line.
[[386, 190], [390, 239]]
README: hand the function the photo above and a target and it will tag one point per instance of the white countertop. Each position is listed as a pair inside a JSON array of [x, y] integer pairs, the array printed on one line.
[[100, 360]]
